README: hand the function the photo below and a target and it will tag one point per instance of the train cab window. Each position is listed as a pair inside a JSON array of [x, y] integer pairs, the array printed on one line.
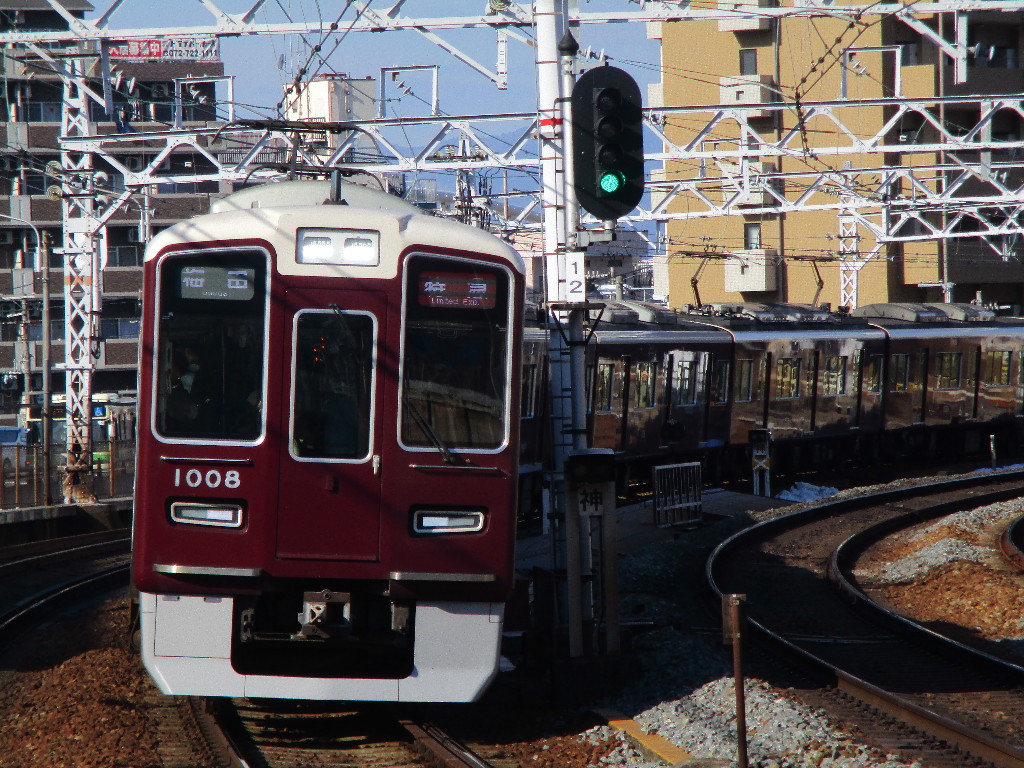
[[455, 355], [899, 373], [744, 380], [720, 381], [947, 370], [332, 384], [787, 377], [209, 349], [997, 365], [604, 396], [834, 378]]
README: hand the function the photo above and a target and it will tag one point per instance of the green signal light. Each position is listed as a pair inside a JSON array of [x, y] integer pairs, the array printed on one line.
[[612, 182]]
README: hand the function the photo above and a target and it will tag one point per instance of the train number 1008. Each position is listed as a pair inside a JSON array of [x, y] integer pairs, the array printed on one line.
[[212, 478]]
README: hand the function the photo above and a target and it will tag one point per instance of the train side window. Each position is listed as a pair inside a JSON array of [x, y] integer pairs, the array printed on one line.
[[947, 370], [834, 381], [899, 373], [528, 400], [605, 387], [720, 381], [210, 345], [997, 368], [455, 355], [787, 378], [745, 380], [332, 384]]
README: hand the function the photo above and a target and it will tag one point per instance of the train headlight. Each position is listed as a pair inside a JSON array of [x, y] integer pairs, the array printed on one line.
[[345, 247], [444, 521], [195, 513]]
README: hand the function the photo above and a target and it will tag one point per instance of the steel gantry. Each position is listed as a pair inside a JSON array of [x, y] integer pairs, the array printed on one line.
[[890, 203]]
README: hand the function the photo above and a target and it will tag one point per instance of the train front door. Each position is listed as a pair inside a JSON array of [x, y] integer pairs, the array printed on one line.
[[330, 475]]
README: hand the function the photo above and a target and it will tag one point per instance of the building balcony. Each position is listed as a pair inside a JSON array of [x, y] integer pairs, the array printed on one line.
[[746, 91], [755, 269], [743, 18]]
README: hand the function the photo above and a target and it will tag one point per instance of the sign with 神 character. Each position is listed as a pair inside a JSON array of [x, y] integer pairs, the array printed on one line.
[[457, 290]]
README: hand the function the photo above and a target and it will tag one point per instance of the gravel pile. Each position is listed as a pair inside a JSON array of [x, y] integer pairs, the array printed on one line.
[[685, 692]]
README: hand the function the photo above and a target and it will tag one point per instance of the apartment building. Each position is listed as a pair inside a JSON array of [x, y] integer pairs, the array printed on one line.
[[859, 70], [147, 78]]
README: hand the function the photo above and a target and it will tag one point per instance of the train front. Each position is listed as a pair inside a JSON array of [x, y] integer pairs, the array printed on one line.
[[326, 475]]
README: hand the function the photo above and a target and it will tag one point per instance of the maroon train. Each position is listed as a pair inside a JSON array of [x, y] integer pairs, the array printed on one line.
[[883, 380], [328, 449]]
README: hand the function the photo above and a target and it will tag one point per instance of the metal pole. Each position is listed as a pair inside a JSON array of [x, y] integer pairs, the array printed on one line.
[[734, 634], [45, 411]]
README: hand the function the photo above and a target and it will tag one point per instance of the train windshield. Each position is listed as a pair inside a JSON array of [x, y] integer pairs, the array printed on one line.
[[455, 355], [209, 351]]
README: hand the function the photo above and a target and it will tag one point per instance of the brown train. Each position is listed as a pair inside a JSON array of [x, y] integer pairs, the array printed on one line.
[[882, 382]]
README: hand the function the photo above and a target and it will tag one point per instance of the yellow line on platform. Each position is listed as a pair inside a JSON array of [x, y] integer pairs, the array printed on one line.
[[651, 745]]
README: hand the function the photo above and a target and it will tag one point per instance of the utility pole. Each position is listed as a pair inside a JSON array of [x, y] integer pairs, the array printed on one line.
[[45, 416]]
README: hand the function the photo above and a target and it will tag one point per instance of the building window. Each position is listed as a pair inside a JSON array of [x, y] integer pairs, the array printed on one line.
[[751, 236], [787, 378], [947, 370], [748, 61], [834, 382]]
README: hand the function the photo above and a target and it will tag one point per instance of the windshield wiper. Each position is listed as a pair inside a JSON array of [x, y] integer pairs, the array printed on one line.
[[449, 456]]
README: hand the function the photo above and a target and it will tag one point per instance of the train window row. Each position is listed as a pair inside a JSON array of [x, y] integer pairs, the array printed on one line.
[[687, 380]]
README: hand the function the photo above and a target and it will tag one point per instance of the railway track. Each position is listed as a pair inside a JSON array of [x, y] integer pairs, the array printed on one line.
[[276, 734], [948, 705]]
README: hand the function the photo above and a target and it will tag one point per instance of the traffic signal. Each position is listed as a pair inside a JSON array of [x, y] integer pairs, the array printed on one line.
[[608, 142]]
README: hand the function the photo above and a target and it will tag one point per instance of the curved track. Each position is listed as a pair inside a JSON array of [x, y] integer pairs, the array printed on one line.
[[939, 691]]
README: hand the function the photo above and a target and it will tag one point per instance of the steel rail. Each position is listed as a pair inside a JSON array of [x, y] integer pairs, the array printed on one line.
[[965, 738]]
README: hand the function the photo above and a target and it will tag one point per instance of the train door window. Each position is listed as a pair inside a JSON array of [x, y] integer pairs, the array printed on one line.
[[686, 382], [899, 373], [947, 370], [745, 380], [997, 368], [834, 380], [720, 381], [605, 387], [528, 400], [455, 355], [210, 369], [787, 377], [644, 390], [332, 384], [873, 374]]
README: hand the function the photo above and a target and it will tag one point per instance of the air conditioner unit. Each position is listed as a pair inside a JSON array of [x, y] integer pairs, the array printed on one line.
[[133, 163], [161, 90]]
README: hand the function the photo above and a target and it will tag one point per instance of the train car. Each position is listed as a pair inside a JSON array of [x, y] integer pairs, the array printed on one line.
[[328, 449]]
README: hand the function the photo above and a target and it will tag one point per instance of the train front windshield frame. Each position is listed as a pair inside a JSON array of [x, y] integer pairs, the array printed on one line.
[[455, 355], [209, 352]]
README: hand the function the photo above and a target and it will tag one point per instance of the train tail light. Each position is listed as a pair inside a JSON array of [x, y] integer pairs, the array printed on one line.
[[223, 515], [444, 521]]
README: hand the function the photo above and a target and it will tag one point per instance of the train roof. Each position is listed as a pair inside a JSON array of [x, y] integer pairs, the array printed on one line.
[[926, 313], [274, 212]]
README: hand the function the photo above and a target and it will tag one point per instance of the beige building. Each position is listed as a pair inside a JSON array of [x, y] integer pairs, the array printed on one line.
[[810, 86]]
